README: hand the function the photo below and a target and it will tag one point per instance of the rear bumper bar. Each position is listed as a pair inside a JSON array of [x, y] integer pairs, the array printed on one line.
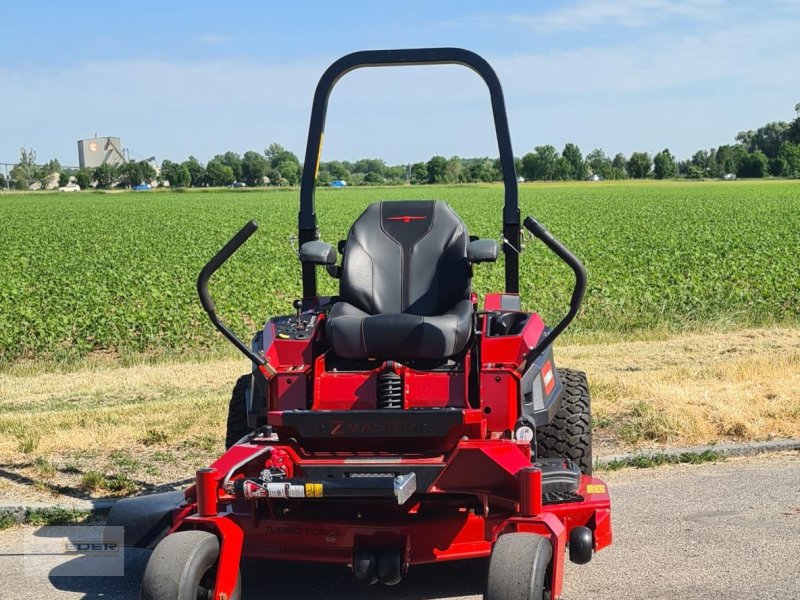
[[367, 486]]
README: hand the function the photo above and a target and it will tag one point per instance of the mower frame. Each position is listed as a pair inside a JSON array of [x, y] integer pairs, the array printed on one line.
[[441, 478]]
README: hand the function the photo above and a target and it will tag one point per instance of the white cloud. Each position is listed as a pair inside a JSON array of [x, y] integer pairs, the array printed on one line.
[[628, 13], [680, 90]]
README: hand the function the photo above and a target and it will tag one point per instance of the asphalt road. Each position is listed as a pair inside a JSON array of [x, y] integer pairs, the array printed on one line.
[[722, 531]]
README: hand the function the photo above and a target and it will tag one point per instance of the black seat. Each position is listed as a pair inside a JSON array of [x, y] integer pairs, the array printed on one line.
[[405, 284]]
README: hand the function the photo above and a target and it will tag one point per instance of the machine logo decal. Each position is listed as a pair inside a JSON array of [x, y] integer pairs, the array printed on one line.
[[547, 377], [406, 218]]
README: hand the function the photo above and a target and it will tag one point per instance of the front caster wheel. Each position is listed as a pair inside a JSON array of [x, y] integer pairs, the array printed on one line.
[[518, 567], [184, 567]]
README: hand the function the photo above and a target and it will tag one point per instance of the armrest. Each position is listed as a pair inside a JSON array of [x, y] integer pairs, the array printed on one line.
[[479, 251], [318, 253]]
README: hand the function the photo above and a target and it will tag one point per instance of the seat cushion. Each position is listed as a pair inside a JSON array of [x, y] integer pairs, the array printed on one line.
[[354, 333]]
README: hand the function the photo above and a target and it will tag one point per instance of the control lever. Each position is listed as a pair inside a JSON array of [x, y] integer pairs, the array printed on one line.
[[298, 306]]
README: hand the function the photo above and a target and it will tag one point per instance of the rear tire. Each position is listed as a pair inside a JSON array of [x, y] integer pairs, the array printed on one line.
[[569, 435], [518, 567], [184, 567], [237, 412]]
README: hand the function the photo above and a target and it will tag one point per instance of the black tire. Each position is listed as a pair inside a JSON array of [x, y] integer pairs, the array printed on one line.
[[518, 568], [237, 412], [183, 566], [569, 435]]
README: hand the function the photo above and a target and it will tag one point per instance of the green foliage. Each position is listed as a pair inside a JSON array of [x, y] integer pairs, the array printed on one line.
[[25, 172], [197, 172], [753, 165], [789, 155], [648, 461], [84, 178], [767, 138], [105, 175], [133, 173], [540, 164], [119, 271], [218, 173], [178, 175], [664, 165], [639, 165], [254, 168], [573, 156], [437, 170], [419, 173], [284, 166], [3, 182]]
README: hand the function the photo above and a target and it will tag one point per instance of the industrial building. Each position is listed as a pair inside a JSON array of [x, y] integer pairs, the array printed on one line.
[[100, 150]]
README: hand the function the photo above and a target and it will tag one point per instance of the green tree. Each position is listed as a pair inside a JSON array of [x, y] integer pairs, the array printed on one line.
[[562, 170], [44, 174], [437, 170], [728, 158], [574, 157], [197, 172], [254, 168], [540, 164], [25, 172], [147, 171], [639, 165], [419, 173], [84, 178], [64, 176], [167, 172], [767, 138], [129, 174], [619, 166], [218, 173], [753, 165], [599, 164], [455, 170], [3, 182], [105, 175], [790, 155], [181, 177], [664, 165], [338, 170], [284, 166], [232, 160]]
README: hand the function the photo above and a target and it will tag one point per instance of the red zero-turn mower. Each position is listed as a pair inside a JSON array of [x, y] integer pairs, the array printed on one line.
[[396, 423]]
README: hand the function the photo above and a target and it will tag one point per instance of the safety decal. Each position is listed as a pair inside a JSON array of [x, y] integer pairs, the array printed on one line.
[[547, 378]]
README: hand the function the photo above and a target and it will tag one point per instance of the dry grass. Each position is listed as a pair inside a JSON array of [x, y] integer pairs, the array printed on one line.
[[153, 423], [695, 388]]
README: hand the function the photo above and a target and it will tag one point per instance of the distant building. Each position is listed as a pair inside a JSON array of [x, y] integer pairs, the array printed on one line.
[[98, 151]]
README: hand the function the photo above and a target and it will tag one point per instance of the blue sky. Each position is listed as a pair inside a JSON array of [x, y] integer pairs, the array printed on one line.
[[179, 78]]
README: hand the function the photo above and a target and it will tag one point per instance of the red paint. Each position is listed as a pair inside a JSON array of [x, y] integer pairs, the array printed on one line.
[[406, 218], [476, 463], [206, 483]]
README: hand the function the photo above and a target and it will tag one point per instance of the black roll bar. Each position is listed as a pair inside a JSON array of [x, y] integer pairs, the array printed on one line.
[[307, 218], [538, 230], [205, 298]]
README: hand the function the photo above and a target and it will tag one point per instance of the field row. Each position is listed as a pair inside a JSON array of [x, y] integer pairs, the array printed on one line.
[[116, 272]]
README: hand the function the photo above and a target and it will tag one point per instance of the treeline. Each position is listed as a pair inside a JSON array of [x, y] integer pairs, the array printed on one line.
[[772, 149]]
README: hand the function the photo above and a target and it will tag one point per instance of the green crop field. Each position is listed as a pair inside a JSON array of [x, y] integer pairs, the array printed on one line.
[[116, 272]]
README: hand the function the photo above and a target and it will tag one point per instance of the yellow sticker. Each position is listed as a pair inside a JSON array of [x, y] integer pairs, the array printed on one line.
[[313, 490], [319, 155], [595, 488]]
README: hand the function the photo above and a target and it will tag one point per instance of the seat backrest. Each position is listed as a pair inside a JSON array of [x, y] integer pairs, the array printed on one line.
[[406, 256]]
